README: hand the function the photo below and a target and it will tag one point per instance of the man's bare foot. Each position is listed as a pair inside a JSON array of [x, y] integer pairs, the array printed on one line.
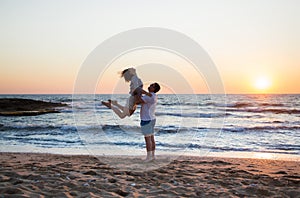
[[148, 159], [107, 104]]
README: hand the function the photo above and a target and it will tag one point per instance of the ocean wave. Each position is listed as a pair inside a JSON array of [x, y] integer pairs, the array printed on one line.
[[274, 111], [171, 104], [194, 115], [39, 140], [52, 130], [191, 104], [271, 104], [66, 111], [25, 127], [213, 104], [284, 149], [247, 104], [64, 129], [275, 129], [234, 105], [182, 129], [287, 147]]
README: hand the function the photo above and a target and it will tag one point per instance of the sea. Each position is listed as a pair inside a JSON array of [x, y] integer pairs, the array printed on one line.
[[247, 126]]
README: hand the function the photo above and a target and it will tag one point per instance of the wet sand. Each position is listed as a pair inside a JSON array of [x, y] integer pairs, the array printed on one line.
[[49, 175]]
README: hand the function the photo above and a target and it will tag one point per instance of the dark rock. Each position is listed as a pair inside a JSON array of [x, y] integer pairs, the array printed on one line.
[[27, 107], [90, 173], [122, 193], [281, 172], [112, 180]]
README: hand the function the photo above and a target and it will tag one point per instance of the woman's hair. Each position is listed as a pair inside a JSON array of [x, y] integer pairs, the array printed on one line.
[[128, 73], [123, 72]]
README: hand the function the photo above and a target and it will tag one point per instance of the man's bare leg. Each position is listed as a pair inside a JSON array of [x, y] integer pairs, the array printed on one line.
[[152, 146], [148, 148]]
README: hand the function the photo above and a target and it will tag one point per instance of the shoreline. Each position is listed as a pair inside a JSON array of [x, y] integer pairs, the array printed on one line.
[[102, 151], [52, 175]]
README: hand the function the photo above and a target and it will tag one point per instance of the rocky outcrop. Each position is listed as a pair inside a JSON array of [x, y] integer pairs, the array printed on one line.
[[27, 107]]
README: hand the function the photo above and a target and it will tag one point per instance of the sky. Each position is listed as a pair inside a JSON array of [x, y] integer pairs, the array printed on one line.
[[254, 44]]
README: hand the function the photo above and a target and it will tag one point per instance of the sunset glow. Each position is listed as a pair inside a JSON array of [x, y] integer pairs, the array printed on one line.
[[44, 43], [262, 83]]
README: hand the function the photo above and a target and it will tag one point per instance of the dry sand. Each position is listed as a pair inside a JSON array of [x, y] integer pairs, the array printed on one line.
[[48, 175]]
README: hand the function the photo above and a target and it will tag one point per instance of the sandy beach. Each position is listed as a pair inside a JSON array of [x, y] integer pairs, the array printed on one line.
[[49, 175]]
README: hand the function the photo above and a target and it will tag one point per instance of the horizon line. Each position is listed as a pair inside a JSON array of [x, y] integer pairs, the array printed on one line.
[[158, 94]]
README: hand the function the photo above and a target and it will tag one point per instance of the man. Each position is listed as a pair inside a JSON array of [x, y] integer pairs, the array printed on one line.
[[148, 119], [147, 116]]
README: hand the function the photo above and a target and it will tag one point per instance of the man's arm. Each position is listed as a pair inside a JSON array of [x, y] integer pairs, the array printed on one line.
[[139, 100], [146, 93], [147, 99]]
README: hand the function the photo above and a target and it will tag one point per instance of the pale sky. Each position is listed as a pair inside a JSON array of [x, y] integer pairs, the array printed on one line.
[[44, 42]]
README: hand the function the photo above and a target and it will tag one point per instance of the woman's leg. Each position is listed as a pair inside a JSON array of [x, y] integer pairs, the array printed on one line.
[[123, 111], [114, 102], [120, 113]]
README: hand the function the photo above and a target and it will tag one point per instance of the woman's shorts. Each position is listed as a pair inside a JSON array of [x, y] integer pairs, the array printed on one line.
[[130, 102], [147, 127]]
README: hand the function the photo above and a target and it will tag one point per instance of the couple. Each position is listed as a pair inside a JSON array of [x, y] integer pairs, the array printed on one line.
[[147, 100]]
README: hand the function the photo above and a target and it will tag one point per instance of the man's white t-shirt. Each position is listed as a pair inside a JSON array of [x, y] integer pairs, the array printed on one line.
[[148, 108]]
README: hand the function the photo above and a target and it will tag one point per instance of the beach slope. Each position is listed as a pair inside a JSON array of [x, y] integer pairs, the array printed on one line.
[[48, 175]]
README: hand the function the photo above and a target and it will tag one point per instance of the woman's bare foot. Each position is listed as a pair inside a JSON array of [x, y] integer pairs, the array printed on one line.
[[114, 102], [107, 104]]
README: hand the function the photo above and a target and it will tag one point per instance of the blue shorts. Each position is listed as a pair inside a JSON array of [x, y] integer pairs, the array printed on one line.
[[147, 127]]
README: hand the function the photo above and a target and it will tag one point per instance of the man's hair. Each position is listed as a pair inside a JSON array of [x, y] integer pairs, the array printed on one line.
[[157, 87]]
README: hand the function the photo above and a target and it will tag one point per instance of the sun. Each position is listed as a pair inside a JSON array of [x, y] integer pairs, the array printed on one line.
[[262, 83]]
